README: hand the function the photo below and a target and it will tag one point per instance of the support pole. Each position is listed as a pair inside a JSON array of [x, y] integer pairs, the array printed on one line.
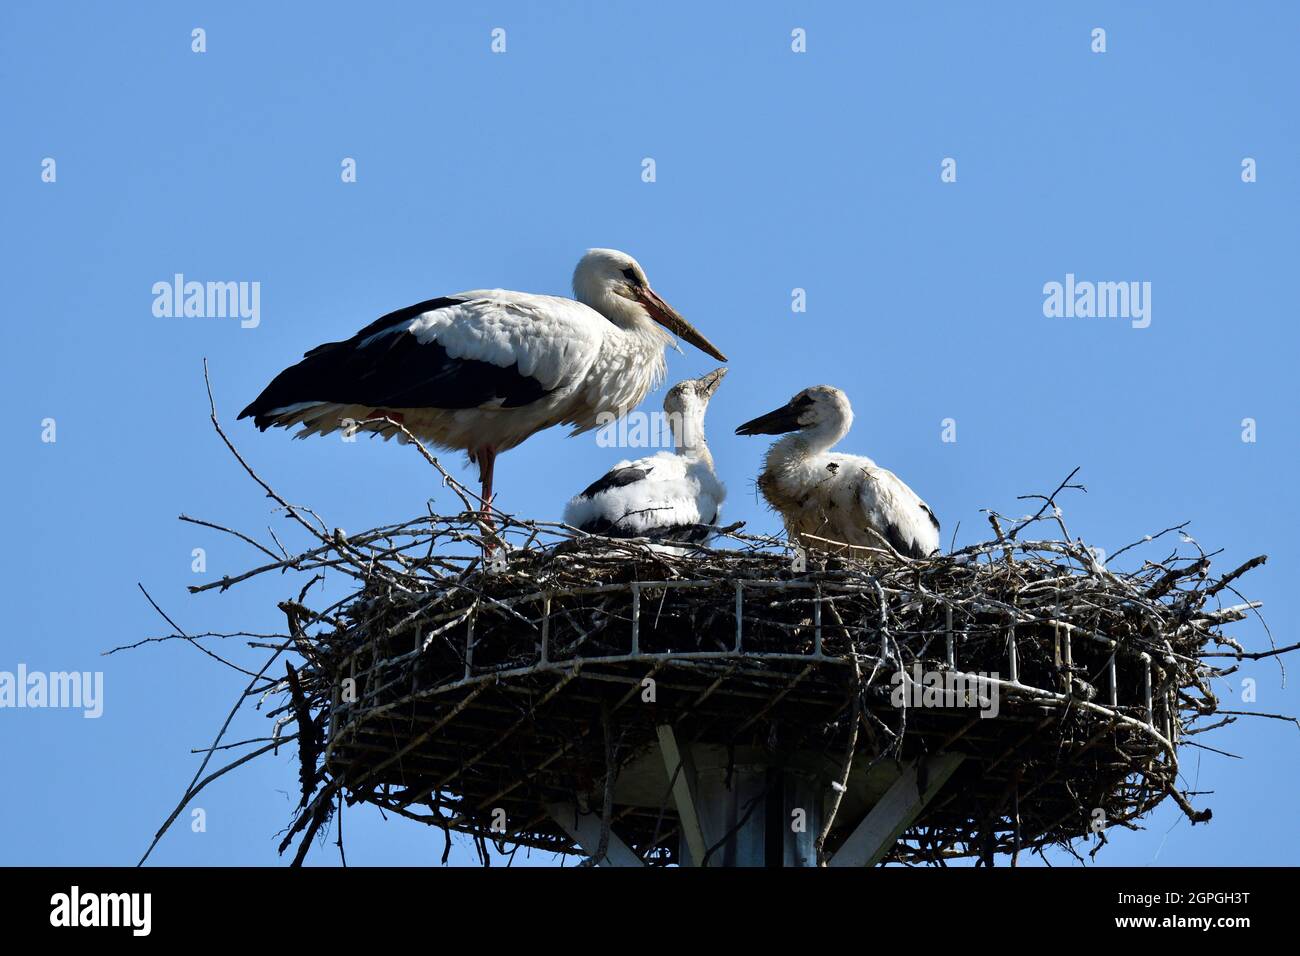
[[683, 792], [880, 829], [585, 831]]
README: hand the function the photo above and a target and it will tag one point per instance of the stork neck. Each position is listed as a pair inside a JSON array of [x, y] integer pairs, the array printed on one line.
[[622, 312], [813, 440], [688, 430], [630, 363], [642, 343], [688, 434], [791, 450], [639, 340], [633, 330]]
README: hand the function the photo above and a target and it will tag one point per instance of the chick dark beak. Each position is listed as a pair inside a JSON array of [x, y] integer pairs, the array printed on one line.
[[709, 383], [776, 422], [670, 319]]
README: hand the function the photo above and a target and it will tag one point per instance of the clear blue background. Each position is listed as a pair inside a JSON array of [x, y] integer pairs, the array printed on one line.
[[775, 171]]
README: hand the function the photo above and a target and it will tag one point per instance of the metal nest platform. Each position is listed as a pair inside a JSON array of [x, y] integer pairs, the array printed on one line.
[[751, 704]]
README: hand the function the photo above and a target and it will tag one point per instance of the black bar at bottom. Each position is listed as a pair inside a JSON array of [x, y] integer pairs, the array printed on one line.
[[551, 906]]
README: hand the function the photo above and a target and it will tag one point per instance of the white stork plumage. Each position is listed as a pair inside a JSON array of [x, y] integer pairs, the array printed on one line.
[[481, 371], [673, 496], [846, 498]]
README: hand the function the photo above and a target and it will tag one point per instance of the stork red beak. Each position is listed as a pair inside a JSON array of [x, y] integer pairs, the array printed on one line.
[[671, 319]]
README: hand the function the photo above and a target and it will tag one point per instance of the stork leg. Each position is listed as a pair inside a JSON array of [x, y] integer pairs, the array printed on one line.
[[486, 458]]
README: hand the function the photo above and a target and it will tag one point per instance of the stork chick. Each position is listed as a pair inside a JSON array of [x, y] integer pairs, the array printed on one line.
[[826, 494], [673, 496]]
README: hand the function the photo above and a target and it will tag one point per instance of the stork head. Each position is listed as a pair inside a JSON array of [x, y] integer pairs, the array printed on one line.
[[614, 284], [685, 405], [690, 398], [821, 411]]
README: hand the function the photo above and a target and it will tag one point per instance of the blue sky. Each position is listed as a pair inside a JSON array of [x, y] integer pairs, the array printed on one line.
[[774, 171]]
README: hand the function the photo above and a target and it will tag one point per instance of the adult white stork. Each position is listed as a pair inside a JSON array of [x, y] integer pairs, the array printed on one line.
[[827, 494], [481, 371], [673, 496]]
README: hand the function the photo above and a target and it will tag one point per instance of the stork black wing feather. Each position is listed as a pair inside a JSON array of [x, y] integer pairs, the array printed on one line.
[[393, 371], [933, 520], [894, 535], [615, 478], [676, 533], [391, 319]]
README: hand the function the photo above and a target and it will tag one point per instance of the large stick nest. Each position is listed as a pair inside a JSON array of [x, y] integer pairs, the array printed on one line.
[[473, 676], [451, 712]]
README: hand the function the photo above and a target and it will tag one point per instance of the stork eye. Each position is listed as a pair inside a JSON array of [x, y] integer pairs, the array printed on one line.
[[631, 276]]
